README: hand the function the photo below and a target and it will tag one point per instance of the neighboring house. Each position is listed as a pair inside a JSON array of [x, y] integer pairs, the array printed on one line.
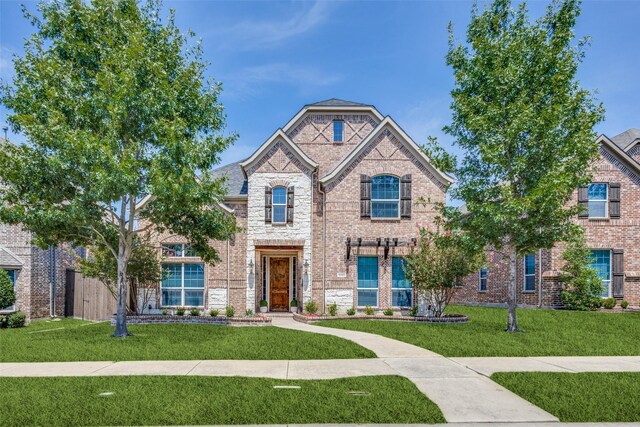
[[328, 206], [611, 219]]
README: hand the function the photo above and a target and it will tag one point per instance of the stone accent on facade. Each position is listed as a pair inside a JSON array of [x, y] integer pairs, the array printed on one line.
[[343, 298], [217, 298]]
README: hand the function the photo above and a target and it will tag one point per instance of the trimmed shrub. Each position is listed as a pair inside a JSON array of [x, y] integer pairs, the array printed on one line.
[[248, 312], [195, 312], [214, 313], [311, 307], [351, 311], [414, 311], [16, 320], [294, 303], [388, 312], [624, 304], [609, 303], [263, 303], [7, 294], [369, 311], [165, 312], [180, 311], [229, 312], [333, 309], [583, 286]]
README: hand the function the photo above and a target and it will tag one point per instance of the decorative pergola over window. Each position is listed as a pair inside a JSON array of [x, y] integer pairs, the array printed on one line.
[[386, 243]]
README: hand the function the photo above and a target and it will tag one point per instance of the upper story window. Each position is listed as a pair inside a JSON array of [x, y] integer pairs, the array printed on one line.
[[385, 196], [598, 197], [338, 130], [177, 250], [530, 273], [482, 285], [279, 211]]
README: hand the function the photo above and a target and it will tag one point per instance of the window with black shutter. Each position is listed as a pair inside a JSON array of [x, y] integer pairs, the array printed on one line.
[[290, 191], [405, 196], [583, 202], [365, 196], [614, 200], [618, 273], [267, 203]]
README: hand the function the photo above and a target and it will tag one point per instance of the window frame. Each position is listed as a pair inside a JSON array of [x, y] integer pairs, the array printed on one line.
[[335, 122], [11, 272], [396, 201], [481, 279], [529, 275], [609, 289], [605, 200], [274, 204], [376, 289], [182, 287], [165, 250], [404, 289]]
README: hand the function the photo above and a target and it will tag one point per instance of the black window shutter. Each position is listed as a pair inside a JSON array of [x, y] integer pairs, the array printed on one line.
[[290, 205], [267, 203], [614, 200], [583, 202], [618, 273], [365, 196], [405, 196]]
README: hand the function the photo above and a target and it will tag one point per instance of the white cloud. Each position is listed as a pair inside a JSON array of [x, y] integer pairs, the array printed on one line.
[[252, 34]]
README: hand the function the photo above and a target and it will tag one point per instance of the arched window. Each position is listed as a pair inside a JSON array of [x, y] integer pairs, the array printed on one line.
[[385, 196], [279, 211]]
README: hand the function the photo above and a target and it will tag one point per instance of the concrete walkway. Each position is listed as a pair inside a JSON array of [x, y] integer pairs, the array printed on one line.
[[489, 365]]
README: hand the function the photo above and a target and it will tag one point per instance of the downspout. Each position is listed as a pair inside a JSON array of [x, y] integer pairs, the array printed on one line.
[[228, 273], [540, 278], [324, 241], [52, 279]]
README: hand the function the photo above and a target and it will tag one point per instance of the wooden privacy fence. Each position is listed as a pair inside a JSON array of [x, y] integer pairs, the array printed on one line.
[[87, 298]]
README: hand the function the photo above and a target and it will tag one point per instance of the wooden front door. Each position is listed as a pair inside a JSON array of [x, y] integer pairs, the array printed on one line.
[[279, 284]]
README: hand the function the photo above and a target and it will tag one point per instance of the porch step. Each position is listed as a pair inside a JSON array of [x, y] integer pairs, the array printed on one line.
[[279, 314]]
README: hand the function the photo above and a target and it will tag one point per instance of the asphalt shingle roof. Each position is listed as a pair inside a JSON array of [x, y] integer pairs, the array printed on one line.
[[624, 139], [335, 102], [236, 183]]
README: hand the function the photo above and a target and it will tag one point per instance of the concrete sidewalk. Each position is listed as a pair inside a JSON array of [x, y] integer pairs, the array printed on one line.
[[489, 365]]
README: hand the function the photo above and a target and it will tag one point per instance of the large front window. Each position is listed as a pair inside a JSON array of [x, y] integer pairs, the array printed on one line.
[[385, 196], [12, 277], [368, 281], [279, 206], [598, 201], [601, 262], [530, 273], [183, 284], [401, 289]]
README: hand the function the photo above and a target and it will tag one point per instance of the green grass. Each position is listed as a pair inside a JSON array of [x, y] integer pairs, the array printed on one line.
[[581, 397], [72, 401], [547, 333], [75, 340]]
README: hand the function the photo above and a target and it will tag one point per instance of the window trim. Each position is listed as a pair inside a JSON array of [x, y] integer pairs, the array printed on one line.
[[377, 288], [401, 289], [610, 287], [341, 140], [397, 201], [480, 279], [525, 274], [274, 204], [605, 200], [182, 288]]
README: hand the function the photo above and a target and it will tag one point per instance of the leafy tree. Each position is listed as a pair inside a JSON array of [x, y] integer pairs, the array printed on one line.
[[583, 286], [525, 126], [439, 262], [115, 105], [438, 156], [7, 293]]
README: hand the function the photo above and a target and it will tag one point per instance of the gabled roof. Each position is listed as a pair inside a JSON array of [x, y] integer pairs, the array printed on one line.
[[278, 135], [236, 182], [404, 138], [626, 139], [9, 260], [335, 102], [619, 153]]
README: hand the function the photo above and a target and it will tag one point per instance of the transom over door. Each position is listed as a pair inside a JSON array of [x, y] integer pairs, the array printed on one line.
[[279, 284]]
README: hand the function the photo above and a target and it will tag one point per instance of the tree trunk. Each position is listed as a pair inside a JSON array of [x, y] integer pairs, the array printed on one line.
[[512, 323], [121, 314]]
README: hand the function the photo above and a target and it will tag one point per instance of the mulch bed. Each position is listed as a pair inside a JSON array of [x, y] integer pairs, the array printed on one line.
[[147, 319], [447, 318]]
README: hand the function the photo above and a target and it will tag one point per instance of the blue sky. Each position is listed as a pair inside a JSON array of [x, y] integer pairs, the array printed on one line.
[[274, 57]]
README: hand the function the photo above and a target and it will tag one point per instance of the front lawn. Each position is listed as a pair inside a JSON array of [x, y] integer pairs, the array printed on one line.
[[73, 401], [76, 340], [548, 333], [581, 397]]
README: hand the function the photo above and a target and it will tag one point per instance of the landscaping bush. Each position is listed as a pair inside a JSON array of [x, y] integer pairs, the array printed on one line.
[[195, 312], [333, 309], [351, 311], [414, 311], [229, 312], [263, 303], [165, 312], [248, 312], [583, 287], [388, 312], [369, 311], [311, 307], [7, 294], [180, 311], [214, 313], [609, 303], [16, 320], [624, 304], [294, 303]]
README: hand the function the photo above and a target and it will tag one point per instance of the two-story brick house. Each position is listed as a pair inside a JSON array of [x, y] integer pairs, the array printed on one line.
[[328, 206], [611, 220]]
